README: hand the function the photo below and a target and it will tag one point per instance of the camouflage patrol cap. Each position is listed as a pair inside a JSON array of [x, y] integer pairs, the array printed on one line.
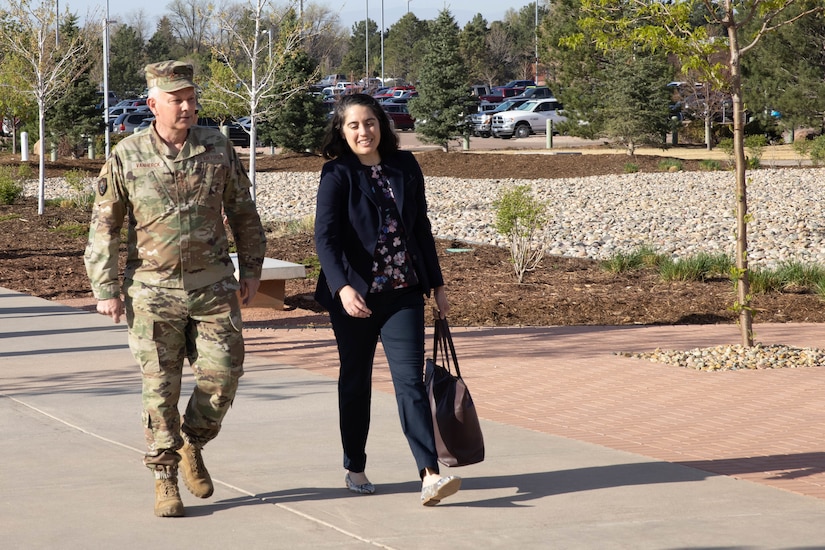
[[169, 76]]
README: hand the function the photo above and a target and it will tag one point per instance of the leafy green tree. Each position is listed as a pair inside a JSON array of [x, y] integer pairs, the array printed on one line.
[[403, 47], [74, 117], [163, 44], [473, 47], [251, 53], [444, 101], [617, 25], [784, 73], [354, 63], [126, 62], [634, 103], [46, 69]]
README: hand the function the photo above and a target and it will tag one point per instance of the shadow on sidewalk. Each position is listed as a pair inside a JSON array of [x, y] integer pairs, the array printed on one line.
[[785, 466], [527, 487]]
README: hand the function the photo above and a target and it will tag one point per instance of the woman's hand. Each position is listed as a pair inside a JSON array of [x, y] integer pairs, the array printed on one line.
[[354, 303], [441, 302]]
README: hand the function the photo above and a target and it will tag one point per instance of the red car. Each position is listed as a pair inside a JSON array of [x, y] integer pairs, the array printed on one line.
[[400, 116]]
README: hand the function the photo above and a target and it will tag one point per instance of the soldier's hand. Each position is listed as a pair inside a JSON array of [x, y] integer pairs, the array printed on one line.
[[112, 307], [249, 288]]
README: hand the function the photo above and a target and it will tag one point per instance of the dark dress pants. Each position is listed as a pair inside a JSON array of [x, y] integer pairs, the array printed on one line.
[[398, 319]]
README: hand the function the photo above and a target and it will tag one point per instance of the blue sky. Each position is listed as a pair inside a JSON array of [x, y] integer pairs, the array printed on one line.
[[349, 11]]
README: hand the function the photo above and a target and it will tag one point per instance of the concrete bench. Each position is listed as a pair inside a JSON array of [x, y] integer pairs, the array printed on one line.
[[273, 281]]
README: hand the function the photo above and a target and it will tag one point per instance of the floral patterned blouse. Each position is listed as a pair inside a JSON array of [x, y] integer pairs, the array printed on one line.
[[392, 266]]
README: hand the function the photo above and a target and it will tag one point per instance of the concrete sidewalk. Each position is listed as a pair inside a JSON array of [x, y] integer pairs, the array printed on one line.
[[72, 476]]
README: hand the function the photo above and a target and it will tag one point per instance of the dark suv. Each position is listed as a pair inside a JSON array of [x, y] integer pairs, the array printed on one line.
[[237, 135]]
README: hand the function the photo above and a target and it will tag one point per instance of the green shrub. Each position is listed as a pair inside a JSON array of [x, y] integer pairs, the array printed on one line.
[[670, 165], [802, 147], [817, 153], [631, 168], [755, 144], [11, 187], [521, 217], [80, 193], [709, 165], [644, 256]]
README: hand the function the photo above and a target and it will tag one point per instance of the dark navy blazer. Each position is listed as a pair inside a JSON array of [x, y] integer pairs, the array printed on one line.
[[348, 221]]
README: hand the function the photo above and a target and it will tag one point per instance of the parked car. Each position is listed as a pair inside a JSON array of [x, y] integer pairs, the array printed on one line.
[[479, 90], [535, 92], [500, 94], [516, 84], [400, 116], [483, 120], [128, 122], [529, 118], [237, 135], [115, 112]]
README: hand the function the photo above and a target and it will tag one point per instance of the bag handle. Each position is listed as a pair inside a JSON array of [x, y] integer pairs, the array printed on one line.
[[443, 342]]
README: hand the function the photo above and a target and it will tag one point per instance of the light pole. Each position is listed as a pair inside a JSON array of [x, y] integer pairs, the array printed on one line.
[[382, 42], [536, 34], [367, 40], [106, 78]]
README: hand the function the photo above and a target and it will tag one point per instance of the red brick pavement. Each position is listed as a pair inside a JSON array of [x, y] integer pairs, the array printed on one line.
[[764, 426]]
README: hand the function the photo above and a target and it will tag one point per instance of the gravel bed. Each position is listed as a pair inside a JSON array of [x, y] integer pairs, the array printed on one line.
[[679, 214], [738, 357]]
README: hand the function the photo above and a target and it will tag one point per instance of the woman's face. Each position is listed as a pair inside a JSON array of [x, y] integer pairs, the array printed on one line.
[[363, 133]]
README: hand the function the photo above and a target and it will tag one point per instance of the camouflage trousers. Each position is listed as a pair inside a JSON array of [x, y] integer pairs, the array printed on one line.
[[204, 326]]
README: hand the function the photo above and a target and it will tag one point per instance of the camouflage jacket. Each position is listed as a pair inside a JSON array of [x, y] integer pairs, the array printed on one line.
[[174, 209]]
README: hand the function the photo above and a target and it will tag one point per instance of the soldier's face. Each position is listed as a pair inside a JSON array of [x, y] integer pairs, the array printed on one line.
[[174, 110]]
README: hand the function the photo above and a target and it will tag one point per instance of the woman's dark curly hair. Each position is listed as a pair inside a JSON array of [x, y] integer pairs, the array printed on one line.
[[335, 145]]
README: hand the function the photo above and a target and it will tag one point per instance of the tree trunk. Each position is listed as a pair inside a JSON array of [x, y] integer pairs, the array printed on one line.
[[742, 276]]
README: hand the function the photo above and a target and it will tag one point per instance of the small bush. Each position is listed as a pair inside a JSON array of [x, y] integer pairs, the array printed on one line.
[[817, 153], [631, 168], [11, 187], [81, 195], [802, 147], [709, 165], [521, 217], [645, 256], [670, 165], [755, 144]]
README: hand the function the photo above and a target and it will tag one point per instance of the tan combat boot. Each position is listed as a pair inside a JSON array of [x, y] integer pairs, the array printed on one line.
[[195, 476], [167, 497]]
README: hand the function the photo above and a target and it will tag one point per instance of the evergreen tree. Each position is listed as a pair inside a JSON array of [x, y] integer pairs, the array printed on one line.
[[298, 124], [444, 101], [473, 47], [126, 62], [163, 44], [74, 116], [354, 62], [403, 47], [784, 73], [635, 106]]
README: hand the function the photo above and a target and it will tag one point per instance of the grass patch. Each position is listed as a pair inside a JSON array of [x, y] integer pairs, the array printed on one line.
[[671, 165], [9, 217], [642, 257], [789, 277], [701, 267], [291, 227], [709, 165], [76, 230]]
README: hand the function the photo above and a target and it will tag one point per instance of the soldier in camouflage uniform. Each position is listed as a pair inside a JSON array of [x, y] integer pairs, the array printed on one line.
[[173, 184]]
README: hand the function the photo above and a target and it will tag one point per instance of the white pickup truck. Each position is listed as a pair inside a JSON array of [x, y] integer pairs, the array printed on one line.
[[529, 118]]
